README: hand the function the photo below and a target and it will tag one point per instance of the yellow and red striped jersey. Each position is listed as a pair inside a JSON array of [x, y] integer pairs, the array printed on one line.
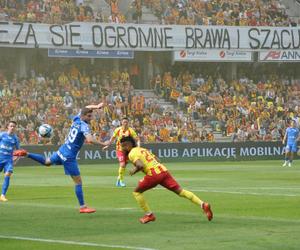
[[120, 132], [148, 159]]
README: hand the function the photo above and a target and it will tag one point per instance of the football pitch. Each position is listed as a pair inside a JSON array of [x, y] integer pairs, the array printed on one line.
[[256, 206]]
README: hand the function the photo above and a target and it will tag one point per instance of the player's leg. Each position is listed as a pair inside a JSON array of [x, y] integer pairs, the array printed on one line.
[[121, 172], [122, 167], [286, 156], [293, 151], [72, 169], [170, 183], [8, 170], [40, 159], [78, 190], [145, 184], [291, 159], [36, 157], [56, 158]]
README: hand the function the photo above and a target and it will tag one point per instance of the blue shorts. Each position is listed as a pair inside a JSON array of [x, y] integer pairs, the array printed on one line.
[[7, 165], [70, 164], [291, 148]]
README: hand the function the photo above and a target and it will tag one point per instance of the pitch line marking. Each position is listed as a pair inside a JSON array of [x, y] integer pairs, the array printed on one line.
[[237, 192], [244, 193], [161, 212], [73, 243], [28, 204]]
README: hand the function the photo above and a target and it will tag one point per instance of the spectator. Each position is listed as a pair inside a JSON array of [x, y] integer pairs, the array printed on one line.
[[68, 100]]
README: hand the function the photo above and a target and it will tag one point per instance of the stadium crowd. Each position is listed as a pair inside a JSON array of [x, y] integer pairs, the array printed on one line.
[[221, 12], [57, 97], [241, 109], [244, 109], [46, 11], [183, 12]]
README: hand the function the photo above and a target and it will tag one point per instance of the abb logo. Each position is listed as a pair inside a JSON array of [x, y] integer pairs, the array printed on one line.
[[273, 55]]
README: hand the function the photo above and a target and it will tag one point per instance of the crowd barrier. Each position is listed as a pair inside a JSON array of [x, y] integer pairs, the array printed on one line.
[[176, 152]]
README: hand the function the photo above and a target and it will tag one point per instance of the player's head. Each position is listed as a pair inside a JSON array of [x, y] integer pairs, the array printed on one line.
[[127, 143], [293, 123], [86, 115], [11, 127], [125, 122]]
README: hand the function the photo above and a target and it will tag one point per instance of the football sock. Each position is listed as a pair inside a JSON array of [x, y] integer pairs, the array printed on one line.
[[79, 194], [37, 157], [121, 173], [142, 202], [286, 159], [191, 196], [5, 185]]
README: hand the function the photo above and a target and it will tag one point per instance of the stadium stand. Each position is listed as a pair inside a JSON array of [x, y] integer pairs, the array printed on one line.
[[67, 89], [45, 11], [214, 12], [293, 10], [241, 109], [227, 12], [185, 107]]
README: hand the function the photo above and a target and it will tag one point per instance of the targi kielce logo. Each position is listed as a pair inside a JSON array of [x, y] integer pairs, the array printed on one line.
[[182, 53], [222, 54]]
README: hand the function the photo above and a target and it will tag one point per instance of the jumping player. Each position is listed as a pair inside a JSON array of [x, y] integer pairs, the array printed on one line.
[[291, 137], [67, 153], [8, 142], [120, 132], [155, 173]]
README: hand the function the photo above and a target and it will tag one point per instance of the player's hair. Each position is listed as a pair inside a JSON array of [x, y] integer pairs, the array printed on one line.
[[129, 139], [125, 118], [11, 121], [86, 111]]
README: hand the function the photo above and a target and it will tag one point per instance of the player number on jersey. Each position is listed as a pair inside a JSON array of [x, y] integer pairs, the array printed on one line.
[[148, 157], [72, 135]]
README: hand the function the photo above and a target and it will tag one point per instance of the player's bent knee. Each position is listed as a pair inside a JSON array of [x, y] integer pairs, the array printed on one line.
[[77, 179], [178, 191], [138, 190], [136, 194], [48, 162]]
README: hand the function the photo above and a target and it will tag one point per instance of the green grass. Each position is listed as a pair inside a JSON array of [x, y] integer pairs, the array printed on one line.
[[256, 206]]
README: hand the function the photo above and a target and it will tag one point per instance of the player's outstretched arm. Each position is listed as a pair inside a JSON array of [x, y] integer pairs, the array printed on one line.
[[95, 106], [91, 139], [284, 138], [106, 144], [138, 166]]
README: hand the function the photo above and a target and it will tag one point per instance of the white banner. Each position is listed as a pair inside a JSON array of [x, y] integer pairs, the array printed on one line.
[[280, 55], [97, 36], [212, 56]]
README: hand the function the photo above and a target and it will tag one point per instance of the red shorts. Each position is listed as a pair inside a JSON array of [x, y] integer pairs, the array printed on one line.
[[165, 179], [122, 157]]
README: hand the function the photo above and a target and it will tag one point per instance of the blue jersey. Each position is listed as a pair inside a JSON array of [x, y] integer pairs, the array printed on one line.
[[292, 135], [75, 138], [7, 145]]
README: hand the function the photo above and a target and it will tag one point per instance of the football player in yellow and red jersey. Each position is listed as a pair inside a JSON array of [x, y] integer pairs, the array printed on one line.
[[120, 132], [155, 173]]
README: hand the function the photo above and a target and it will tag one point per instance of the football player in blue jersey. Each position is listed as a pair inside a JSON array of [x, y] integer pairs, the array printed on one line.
[[291, 137], [8, 142], [67, 153]]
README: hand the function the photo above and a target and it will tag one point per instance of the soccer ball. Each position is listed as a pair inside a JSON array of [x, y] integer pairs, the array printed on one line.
[[45, 130]]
